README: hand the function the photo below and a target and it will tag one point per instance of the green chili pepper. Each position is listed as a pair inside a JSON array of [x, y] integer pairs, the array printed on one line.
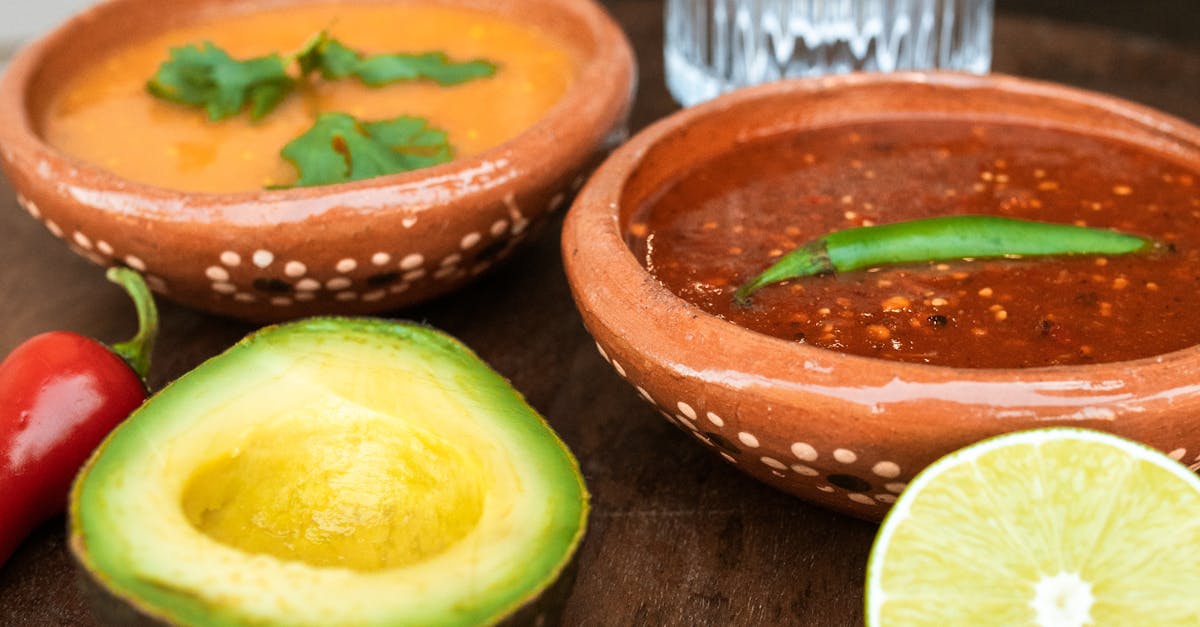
[[939, 239]]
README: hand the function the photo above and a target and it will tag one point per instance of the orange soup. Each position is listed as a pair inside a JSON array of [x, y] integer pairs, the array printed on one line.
[[105, 115]]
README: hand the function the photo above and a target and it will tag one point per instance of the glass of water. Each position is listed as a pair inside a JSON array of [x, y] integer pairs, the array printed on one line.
[[714, 46]]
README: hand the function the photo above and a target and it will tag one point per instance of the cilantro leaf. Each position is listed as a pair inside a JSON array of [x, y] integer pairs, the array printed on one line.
[[385, 68], [206, 76], [309, 55], [339, 148], [335, 60]]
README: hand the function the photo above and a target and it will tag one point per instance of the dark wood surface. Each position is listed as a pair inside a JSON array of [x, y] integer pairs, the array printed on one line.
[[676, 537]]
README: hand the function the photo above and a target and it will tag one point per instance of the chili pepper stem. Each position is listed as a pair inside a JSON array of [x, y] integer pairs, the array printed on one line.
[[136, 351]]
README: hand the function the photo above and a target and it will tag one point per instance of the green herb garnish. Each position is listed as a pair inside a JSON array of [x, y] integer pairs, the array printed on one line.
[[339, 148], [206, 76], [938, 239], [335, 60]]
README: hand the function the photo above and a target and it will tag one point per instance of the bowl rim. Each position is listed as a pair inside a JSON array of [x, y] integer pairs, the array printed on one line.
[[608, 282], [595, 95]]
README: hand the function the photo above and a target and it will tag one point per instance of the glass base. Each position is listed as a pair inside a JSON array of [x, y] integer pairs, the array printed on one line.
[[715, 46]]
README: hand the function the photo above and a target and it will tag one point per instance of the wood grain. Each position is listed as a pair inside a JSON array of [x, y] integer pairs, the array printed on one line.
[[677, 536]]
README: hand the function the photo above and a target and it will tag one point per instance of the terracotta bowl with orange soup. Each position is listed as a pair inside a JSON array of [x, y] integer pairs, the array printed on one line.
[[840, 387], [208, 210]]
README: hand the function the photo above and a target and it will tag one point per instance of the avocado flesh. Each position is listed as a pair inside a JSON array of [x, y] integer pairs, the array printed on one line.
[[327, 472]]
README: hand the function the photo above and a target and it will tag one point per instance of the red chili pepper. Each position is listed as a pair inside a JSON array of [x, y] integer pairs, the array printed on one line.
[[60, 395]]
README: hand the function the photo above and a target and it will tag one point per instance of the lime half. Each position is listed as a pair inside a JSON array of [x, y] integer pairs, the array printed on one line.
[[1054, 527]]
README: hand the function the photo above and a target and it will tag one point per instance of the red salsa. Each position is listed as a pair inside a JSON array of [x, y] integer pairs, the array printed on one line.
[[723, 223]]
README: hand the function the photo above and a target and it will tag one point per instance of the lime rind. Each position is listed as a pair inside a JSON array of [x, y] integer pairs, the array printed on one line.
[[1133, 482]]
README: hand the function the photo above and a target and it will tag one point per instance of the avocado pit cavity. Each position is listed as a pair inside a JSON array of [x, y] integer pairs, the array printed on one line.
[[339, 485]]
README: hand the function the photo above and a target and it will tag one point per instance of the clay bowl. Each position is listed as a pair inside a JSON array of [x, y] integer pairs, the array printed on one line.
[[353, 248], [843, 431]]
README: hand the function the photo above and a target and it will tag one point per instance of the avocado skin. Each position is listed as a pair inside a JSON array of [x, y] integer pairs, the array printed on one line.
[[539, 608], [544, 609]]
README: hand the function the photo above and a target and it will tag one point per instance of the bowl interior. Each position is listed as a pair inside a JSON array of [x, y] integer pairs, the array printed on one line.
[[722, 127], [110, 26]]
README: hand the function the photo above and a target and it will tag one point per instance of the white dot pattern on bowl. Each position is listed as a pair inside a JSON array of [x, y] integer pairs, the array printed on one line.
[[104, 247], [498, 228], [556, 202], [411, 264], [346, 296], [29, 206], [804, 452], [54, 229], [82, 240], [1177, 454], [857, 487], [135, 263], [412, 261], [89, 255], [245, 297], [773, 463], [156, 283], [514, 213], [224, 288], [216, 273], [806, 471], [887, 470], [295, 269]]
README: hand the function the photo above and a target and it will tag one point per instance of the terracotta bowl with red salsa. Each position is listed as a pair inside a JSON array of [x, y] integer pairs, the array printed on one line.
[[838, 388]]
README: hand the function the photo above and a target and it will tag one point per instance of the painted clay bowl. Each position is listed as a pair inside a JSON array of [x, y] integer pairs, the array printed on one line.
[[847, 432], [352, 248]]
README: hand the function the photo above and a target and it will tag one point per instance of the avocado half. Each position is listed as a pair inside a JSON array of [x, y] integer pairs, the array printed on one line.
[[330, 471]]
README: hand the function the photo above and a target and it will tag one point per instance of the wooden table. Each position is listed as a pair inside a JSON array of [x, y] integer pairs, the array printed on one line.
[[676, 536]]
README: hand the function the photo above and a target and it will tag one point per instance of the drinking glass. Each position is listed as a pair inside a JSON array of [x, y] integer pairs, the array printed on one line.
[[714, 46]]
